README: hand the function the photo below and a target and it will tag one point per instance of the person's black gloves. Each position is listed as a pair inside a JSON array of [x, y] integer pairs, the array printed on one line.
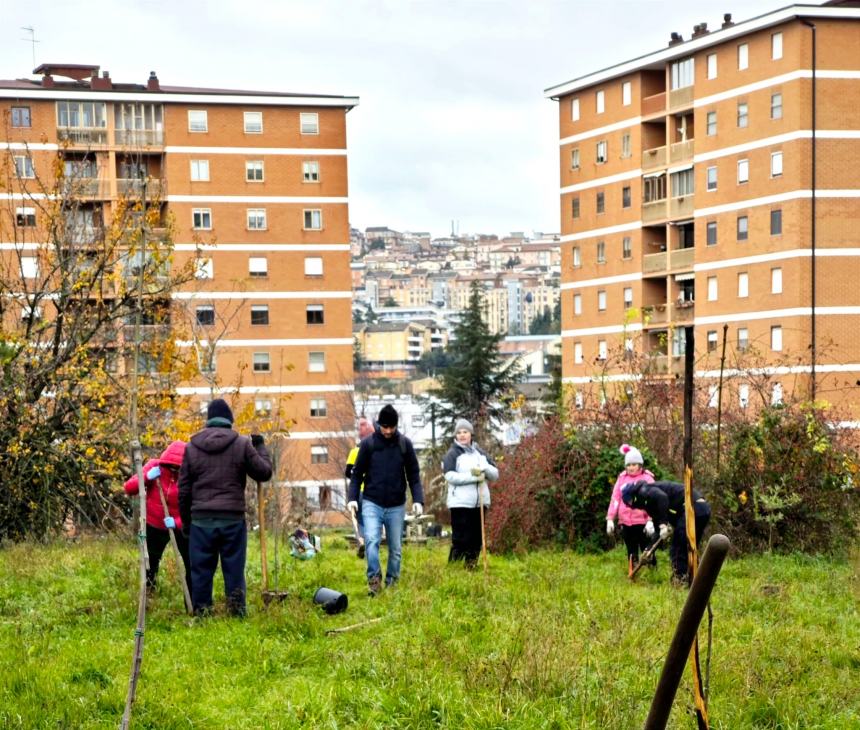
[[257, 440]]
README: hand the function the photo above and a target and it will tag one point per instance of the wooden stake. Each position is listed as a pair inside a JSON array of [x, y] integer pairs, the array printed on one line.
[[261, 515], [180, 565], [353, 626], [483, 532]]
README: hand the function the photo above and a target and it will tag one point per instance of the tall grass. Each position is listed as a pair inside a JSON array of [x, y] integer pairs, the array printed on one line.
[[547, 640]]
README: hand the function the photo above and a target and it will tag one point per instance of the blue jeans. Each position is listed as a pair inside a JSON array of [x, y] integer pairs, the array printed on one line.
[[374, 517]]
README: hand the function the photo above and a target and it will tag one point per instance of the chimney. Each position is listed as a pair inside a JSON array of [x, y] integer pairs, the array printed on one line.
[[47, 81], [727, 20], [675, 39], [152, 84], [700, 30], [101, 84]]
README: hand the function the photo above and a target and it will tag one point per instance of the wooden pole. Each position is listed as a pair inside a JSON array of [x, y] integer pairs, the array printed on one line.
[[261, 518], [180, 564], [483, 531]]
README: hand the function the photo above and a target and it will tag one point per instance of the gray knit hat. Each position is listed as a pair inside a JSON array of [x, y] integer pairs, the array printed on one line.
[[463, 425]]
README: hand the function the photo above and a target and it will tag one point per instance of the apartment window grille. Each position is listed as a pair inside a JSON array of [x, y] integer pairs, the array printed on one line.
[[601, 252], [574, 159], [712, 65], [313, 266], [311, 171], [254, 170], [601, 202], [743, 114], [712, 178], [258, 267], [256, 219], [776, 164], [574, 206], [711, 120], [626, 197], [712, 288], [776, 280], [201, 219], [626, 247], [314, 314], [253, 122], [309, 123], [711, 233], [261, 362], [683, 73], [319, 454], [776, 106], [199, 170], [743, 285], [602, 153], [655, 188], [259, 314], [205, 315], [21, 117], [743, 56], [626, 93], [198, 120], [743, 227], [776, 46], [574, 110], [316, 362], [25, 217], [312, 220], [600, 101], [319, 408]]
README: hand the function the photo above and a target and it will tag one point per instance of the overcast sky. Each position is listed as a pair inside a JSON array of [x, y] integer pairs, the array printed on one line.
[[452, 124]]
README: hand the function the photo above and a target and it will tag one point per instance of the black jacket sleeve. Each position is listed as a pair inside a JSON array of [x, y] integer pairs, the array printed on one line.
[[257, 461], [185, 482], [362, 462], [413, 473]]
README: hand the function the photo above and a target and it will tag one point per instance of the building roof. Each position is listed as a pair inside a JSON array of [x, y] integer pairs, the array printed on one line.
[[657, 59]]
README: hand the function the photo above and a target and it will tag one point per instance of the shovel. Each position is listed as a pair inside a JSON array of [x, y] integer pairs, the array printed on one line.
[[647, 554]]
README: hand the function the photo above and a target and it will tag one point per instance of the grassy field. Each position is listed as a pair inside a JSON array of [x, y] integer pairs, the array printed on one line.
[[548, 640]]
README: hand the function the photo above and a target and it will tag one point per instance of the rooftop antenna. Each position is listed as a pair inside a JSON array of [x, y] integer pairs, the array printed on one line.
[[32, 40]]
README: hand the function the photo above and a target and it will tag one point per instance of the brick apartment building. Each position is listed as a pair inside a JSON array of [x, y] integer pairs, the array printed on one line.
[[688, 197], [256, 186]]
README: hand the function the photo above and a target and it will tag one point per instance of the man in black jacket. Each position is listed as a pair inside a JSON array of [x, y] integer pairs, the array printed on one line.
[[664, 503], [386, 462], [212, 500]]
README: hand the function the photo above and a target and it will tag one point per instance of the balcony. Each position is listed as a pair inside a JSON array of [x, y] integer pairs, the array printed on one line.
[[134, 187], [655, 314], [664, 365], [654, 263], [680, 98], [681, 152], [681, 258], [83, 136], [139, 138], [85, 187], [655, 157], [681, 207], [654, 104], [655, 211], [683, 312]]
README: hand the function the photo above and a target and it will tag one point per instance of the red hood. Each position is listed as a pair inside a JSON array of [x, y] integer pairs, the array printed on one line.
[[173, 454]]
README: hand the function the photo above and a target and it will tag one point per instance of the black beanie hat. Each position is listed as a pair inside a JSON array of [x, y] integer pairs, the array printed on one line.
[[387, 416], [218, 408]]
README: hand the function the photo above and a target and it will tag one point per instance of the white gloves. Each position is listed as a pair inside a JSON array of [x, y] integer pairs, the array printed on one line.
[[665, 531], [352, 507], [417, 509], [610, 527], [649, 529]]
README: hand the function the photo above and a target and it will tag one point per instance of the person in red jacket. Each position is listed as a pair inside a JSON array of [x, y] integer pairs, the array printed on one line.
[[163, 471]]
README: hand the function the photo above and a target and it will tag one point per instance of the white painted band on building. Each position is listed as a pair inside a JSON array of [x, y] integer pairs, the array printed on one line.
[[310, 484], [304, 151], [594, 232], [305, 435], [192, 100], [317, 200], [765, 258], [621, 278], [229, 295], [263, 389], [615, 329], [597, 182], [614, 378], [597, 131], [777, 198], [39, 146], [296, 342], [778, 314], [252, 247]]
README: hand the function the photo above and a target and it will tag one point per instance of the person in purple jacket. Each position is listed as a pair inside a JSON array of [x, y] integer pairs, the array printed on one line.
[[637, 529], [212, 479]]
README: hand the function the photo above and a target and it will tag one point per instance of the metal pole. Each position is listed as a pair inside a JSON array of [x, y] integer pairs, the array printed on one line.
[[685, 632]]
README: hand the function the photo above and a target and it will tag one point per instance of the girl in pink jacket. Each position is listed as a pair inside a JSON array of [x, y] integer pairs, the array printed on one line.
[[163, 471], [637, 529]]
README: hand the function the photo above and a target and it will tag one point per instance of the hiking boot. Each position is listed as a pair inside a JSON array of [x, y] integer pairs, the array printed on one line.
[[360, 551], [391, 582], [374, 585]]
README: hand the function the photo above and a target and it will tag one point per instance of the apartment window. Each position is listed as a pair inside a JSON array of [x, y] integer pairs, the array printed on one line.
[[743, 171], [577, 352], [743, 56], [626, 197], [776, 281], [258, 267], [261, 362], [712, 65], [577, 257], [626, 247], [207, 363], [199, 170], [776, 164], [776, 338], [743, 285], [311, 171], [743, 338], [574, 159], [601, 252], [314, 314], [601, 300], [262, 407], [626, 93], [655, 188], [599, 102], [712, 178], [682, 183], [201, 219], [21, 116], [628, 297], [254, 170], [776, 106], [316, 362], [602, 152], [204, 269], [776, 394], [713, 396], [24, 167], [712, 340], [711, 124], [319, 408], [259, 314], [319, 454], [743, 395], [312, 220], [626, 148], [256, 219], [29, 313], [743, 227], [198, 120], [29, 267], [776, 46], [574, 110], [574, 206], [601, 202], [683, 73], [253, 122], [81, 114], [205, 315], [313, 266], [602, 350], [309, 123], [711, 233], [577, 303], [712, 288], [25, 217], [579, 400], [743, 114]]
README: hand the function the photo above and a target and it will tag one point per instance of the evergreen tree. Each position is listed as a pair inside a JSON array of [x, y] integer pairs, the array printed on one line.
[[476, 382]]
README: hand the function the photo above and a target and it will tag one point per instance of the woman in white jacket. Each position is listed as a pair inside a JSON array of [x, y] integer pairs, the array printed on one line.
[[467, 469]]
